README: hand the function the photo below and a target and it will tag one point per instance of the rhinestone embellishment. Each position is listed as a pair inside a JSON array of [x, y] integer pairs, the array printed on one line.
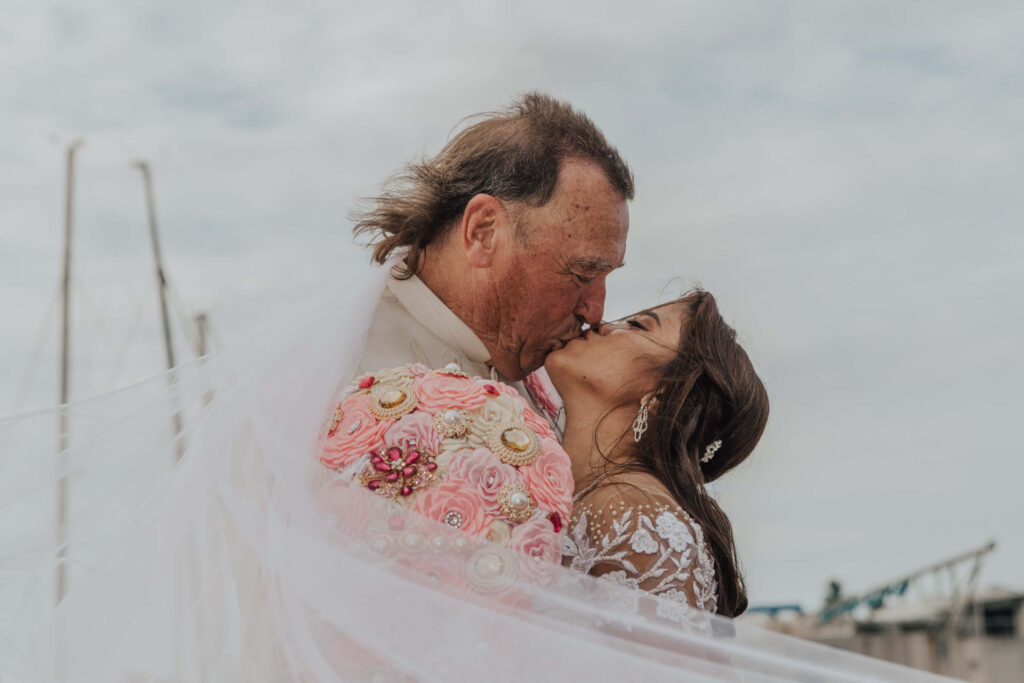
[[396, 472], [453, 519], [451, 423], [515, 502], [514, 444], [391, 404]]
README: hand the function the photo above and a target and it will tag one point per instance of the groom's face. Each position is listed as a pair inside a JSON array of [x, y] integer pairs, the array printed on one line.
[[553, 282]]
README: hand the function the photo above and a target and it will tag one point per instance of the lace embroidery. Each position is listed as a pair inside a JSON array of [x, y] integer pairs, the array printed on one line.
[[657, 548]]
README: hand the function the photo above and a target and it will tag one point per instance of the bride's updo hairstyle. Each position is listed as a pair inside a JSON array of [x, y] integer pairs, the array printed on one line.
[[708, 392]]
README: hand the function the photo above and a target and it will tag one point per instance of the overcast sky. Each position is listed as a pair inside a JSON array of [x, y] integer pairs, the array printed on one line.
[[845, 177]]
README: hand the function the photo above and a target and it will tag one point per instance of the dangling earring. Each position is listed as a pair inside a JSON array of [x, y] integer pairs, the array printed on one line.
[[640, 423]]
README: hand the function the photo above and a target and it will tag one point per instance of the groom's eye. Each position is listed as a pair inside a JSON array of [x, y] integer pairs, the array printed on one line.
[[582, 280]]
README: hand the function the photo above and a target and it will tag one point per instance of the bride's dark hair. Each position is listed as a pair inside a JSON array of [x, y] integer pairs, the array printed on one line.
[[708, 392]]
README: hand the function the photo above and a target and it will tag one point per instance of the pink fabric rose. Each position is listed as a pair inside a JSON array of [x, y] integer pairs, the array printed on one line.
[[539, 385], [456, 504], [358, 433], [415, 428], [346, 507], [538, 424], [482, 470], [540, 548], [508, 390], [437, 392], [549, 478]]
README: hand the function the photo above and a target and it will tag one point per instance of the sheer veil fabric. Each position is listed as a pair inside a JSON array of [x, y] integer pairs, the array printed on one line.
[[246, 560]]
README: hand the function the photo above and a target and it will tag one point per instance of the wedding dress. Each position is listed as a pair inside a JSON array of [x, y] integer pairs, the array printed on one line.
[[210, 555], [644, 541]]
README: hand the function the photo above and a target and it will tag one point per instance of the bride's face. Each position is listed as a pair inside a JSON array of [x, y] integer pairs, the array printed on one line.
[[618, 361]]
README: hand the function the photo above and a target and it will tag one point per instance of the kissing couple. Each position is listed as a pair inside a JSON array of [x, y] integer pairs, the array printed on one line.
[[444, 466], [507, 237]]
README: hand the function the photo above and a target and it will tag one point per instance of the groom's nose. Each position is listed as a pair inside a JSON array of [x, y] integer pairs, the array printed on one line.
[[591, 304]]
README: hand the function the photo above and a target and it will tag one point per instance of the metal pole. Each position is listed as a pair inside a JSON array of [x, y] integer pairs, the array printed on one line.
[[201, 322], [65, 376], [161, 280]]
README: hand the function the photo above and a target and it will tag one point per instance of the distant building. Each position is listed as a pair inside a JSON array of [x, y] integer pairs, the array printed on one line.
[[980, 639]]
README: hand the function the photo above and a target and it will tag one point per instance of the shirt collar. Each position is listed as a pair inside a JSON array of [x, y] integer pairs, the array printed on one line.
[[423, 305]]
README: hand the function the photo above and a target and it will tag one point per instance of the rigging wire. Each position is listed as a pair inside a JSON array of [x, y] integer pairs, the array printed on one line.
[[134, 325], [94, 317], [44, 331], [214, 336], [187, 324]]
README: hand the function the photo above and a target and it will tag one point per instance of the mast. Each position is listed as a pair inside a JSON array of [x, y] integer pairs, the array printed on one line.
[[202, 322], [65, 379], [161, 279]]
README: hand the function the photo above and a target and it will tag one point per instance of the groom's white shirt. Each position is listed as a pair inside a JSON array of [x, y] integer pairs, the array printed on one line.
[[412, 325]]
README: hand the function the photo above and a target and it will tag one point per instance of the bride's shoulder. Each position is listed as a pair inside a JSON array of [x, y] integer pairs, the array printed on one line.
[[630, 502], [631, 531], [628, 490]]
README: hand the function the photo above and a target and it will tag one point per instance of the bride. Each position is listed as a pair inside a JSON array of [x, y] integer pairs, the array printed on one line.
[[656, 405]]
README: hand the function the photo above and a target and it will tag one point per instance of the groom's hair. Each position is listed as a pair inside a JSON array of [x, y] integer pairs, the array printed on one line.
[[513, 155]]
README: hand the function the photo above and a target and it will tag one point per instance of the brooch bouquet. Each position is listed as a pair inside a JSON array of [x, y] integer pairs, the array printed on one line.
[[466, 452]]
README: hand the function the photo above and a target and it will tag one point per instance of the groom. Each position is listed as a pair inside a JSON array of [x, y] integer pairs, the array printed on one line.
[[511, 230]]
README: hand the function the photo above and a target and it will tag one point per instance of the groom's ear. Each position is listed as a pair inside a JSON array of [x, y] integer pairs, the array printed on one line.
[[484, 221]]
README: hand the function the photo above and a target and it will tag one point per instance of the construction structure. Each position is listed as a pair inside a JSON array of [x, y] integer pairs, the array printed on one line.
[[936, 619]]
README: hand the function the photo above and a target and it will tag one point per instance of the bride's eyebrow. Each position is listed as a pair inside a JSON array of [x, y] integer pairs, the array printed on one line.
[[653, 315]]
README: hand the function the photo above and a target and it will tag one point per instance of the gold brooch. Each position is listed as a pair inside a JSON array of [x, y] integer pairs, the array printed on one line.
[[391, 404], [395, 471], [335, 421], [451, 423], [515, 502], [514, 443]]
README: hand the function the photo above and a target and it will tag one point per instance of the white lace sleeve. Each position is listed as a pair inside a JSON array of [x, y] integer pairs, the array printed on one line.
[[643, 541]]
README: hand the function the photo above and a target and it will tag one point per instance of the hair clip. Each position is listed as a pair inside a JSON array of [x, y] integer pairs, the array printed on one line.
[[710, 451]]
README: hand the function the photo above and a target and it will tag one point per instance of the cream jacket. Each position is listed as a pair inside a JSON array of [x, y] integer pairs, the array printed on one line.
[[412, 325]]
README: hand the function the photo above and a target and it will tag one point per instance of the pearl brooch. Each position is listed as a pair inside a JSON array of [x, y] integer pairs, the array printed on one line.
[[453, 369], [515, 502], [451, 423], [491, 569]]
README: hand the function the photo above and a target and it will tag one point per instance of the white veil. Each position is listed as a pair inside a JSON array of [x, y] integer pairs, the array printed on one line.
[[232, 564]]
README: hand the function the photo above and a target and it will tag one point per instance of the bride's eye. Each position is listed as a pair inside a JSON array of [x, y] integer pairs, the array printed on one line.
[[636, 323]]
